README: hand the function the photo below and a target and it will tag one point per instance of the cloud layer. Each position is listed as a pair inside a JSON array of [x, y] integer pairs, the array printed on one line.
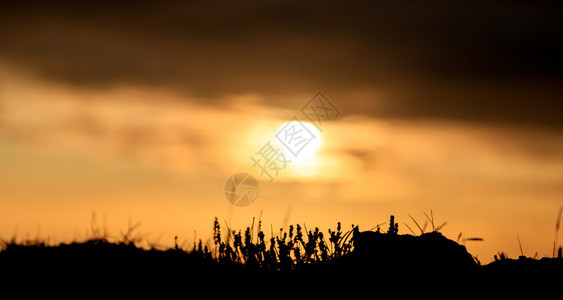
[[497, 61]]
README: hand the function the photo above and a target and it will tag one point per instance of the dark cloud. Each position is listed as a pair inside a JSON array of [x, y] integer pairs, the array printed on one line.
[[497, 61]]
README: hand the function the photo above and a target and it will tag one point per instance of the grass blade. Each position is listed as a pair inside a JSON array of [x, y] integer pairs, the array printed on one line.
[[415, 222], [557, 223], [409, 229]]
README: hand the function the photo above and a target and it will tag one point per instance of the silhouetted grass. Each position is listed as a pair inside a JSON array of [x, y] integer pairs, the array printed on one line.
[[295, 249]]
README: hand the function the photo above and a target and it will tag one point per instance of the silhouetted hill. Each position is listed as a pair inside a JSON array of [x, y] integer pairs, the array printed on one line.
[[101, 257], [296, 254]]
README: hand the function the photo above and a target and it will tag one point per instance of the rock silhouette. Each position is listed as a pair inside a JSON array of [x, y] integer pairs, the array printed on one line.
[[427, 252]]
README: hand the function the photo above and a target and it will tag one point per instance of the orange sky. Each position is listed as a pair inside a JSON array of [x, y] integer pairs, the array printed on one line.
[[69, 152], [142, 112]]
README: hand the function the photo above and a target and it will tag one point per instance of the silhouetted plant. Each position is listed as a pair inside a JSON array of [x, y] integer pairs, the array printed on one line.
[[462, 240], [393, 227], [311, 245], [249, 249], [287, 250], [199, 248], [297, 254], [299, 236], [322, 247], [216, 232], [128, 237], [286, 263], [431, 219], [334, 239], [501, 256], [422, 228], [557, 223], [261, 247]]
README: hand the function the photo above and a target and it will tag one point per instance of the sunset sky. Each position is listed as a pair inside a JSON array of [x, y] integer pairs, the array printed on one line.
[[142, 112]]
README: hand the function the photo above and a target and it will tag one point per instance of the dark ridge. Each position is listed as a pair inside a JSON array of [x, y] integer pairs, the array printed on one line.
[[297, 253]]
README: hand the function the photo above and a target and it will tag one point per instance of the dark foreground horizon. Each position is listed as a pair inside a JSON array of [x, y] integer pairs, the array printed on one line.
[[352, 256]]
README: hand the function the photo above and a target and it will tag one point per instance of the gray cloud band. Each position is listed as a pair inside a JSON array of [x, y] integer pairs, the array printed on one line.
[[448, 61]]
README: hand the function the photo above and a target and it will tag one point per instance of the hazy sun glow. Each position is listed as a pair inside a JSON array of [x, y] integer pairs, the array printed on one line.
[[300, 141]]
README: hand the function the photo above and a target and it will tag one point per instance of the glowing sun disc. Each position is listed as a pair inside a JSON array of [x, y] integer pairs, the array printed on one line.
[[300, 141]]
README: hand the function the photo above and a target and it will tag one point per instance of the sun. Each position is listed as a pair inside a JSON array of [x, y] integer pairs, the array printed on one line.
[[300, 142]]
